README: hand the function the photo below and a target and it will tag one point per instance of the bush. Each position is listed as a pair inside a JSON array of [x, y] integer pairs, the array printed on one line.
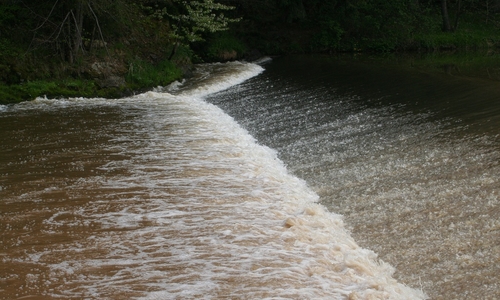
[[329, 37], [144, 74], [62, 89], [225, 47]]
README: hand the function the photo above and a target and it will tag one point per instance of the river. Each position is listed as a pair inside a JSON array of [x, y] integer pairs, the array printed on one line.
[[309, 177]]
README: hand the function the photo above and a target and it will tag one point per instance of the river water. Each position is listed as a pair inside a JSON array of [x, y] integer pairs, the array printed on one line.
[[409, 158], [303, 178]]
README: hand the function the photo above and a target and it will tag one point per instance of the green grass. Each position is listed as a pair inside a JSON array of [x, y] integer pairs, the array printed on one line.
[[470, 35], [40, 88], [55, 89], [144, 74], [222, 46], [461, 39]]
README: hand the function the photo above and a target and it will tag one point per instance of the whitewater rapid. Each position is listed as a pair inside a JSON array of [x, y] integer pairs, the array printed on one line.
[[177, 201]]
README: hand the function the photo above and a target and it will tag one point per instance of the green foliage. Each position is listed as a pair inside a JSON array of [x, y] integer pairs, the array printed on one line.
[[8, 13], [190, 20], [144, 74], [7, 49], [381, 25], [470, 35], [363, 25], [51, 89], [8, 54], [292, 10], [9, 95], [223, 47], [329, 37], [57, 40]]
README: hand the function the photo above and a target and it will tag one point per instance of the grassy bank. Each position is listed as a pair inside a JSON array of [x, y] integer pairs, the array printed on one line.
[[141, 75], [124, 64], [117, 72], [470, 35]]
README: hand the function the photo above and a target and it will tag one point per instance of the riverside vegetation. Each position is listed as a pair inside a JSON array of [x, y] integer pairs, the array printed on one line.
[[113, 48]]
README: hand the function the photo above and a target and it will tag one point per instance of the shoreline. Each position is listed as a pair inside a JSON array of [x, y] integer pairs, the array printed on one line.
[[474, 64]]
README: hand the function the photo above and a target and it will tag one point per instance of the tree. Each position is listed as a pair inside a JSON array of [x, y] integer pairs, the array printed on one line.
[[447, 27], [190, 20], [64, 25]]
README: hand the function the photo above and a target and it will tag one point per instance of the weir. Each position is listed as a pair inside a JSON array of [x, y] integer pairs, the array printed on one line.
[[165, 196], [410, 159]]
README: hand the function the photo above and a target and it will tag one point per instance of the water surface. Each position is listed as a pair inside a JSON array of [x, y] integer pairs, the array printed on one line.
[[409, 157], [165, 196]]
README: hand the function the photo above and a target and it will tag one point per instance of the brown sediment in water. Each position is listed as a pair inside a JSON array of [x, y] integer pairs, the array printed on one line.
[[141, 210]]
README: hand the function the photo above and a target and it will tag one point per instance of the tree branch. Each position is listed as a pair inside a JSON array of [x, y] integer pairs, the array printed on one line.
[[78, 31], [98, 27]]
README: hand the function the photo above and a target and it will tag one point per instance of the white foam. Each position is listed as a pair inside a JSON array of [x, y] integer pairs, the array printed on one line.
[[262, 60], [197, 209], [221, 77]]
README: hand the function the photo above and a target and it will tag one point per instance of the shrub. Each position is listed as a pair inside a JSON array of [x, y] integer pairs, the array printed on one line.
[[144, 74], [225, 47]]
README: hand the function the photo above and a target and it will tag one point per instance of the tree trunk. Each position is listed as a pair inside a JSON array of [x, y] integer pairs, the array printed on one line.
[[459, 10], [174, 50], [69, 42], [77, 38], [446, 17]]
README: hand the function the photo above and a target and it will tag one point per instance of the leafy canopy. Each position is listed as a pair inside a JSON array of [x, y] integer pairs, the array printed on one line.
[[190, 20]]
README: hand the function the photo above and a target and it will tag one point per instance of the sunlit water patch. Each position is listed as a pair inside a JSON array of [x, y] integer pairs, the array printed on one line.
[[166, 197]]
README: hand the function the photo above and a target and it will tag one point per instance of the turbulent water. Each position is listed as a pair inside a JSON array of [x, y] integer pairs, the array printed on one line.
[[165, 196], [409, 158]]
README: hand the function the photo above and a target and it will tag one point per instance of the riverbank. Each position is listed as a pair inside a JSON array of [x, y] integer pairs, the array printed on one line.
[[117, 72], [143, 76], [112, 51], [104, 79], [125, 70]]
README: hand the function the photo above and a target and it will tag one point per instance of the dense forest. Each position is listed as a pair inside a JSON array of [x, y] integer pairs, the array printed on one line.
[[111, 48]]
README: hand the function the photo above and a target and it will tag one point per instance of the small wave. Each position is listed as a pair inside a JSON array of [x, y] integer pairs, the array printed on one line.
[[222, 77], [262, 60]]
